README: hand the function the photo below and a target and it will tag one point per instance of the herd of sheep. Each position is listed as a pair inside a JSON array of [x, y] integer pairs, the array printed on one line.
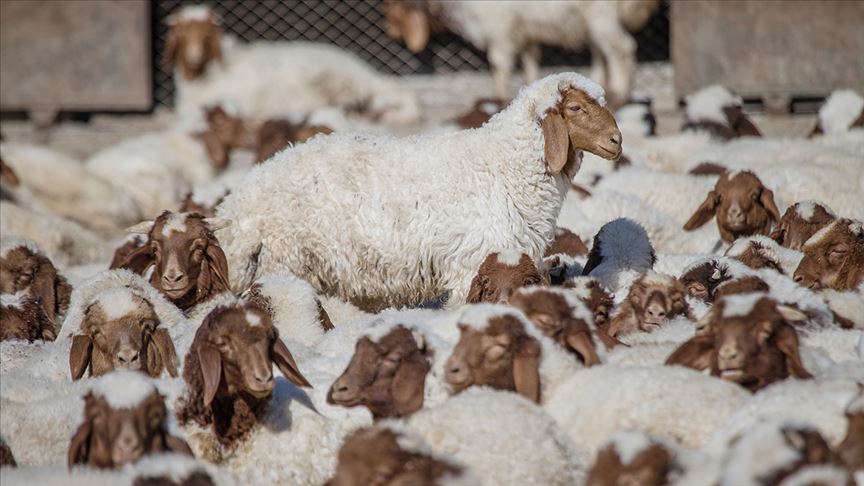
[[547, 293]]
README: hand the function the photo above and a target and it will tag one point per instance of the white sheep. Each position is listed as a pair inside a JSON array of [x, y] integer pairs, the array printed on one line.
[[394, 221], [842, 112]]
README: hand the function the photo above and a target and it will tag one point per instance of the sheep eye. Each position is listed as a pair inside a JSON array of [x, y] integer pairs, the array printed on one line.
[[754, 196]]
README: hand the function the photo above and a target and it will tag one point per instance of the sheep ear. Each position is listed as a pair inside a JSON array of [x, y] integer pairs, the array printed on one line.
[[582, 345], [704, 213], [526, 368], [623, 320], [787, 342], [172, 46], [211, 369], [740, 123], [43, 285], [416, 30], [215, 224], [139, 260], [285, 362], [217, 152], [79, 446], [475, 293], [142, 228], [178, 445], [161, 340], [8, 175], [791, 314], [218, 267], [767, 200], [79, 355], [556, 142], [408, 385], [697, 353]]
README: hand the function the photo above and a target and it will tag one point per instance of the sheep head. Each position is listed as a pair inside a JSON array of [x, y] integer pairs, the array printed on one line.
[[124, 420], [833, 257], [649, 465], [22, 317], [578, 122], [387, 375], [190, 266], [653, 299], [494, 350], [121, 330], [501, 273], [801, 221], [756, 252], [742, 204], [593, 295], [24, 268], [702, 280], [194, 41], [224, 133], [566, 242], [410, 21]]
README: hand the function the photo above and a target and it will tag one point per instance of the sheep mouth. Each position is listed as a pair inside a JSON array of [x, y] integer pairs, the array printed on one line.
[[343, 400], [732, 374], [609, 154], [175, 293], [651, 326]]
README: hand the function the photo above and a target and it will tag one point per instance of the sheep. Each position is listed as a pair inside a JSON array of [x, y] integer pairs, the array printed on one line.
[[847, 307], [500, 348], [717, 111], [480, 113], [120, 330], [833, 257], [23, 317], [703, 278], [23, 267], [269, 79], [742, 204], [621, 248], [592, 294], [189, 266], [633, 457], [129, 245], [561, 254], [763, 252], [276, 134], [741, 285], [404, 249], [801, 221], [842, 111], [560, 315], [124, 420], [501, 273], [653, 299], [567, 243], [228, 372], [391, 455], [851, 449], [509, 28], [224, 133], [753, 345]]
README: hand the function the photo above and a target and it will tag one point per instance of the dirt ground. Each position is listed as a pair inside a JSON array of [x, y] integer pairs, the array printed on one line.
[[443, 97]]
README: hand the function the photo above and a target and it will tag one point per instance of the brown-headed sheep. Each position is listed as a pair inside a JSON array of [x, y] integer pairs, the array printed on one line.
[[742, 204], [718, 112], [568, 243], [746, 339], [762, 252], [385, 457], [801, 221], [224, 133], [386, 375], [500, 274], [24, 267], [593, 295], [741, 285], [193, 43], [833, 257], [189, 265], [121, 330], [653, 299], [22, 317], [228, 371], [634, 458], [702, 280], [124, 420]]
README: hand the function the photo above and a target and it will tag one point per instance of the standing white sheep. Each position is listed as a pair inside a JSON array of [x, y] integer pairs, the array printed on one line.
[[385, 221]]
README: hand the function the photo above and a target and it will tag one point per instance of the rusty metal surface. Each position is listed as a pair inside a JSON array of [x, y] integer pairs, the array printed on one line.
[[768, 48], [75, 55]]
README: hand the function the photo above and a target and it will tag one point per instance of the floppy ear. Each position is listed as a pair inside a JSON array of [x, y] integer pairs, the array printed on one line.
[[478, 285], [285, 362], [43, 287], [740, 123], [556, 142], [778, 234], [172, 47], [408, 385], [79, 355], [211, 369], [607, 340], [767, 201], [217, 152], [696, 353], [581, 343], [164, 346], [9, 175], [704, 213], [787, 342], [623, 320], [415, 30], [139, 260], [218, 266], [79, 446], [526, 368], [213, 48], [178, 445]]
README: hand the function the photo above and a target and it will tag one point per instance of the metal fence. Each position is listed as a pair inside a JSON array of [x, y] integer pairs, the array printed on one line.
[[358, 26]]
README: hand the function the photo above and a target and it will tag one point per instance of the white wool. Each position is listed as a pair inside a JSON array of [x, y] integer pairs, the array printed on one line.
[[193, 13], [787, 260], [822, 474], [856, 405], [123, 389], [13, 243], [117, 303], [174, 222], [807, 209], [624, 246], [632, 120], [629, 444], [848, 304], [761, 452], [839, 111], [741, 305], [253, 319], [655, 278], [293, 308], [15, 300], [406, 241], [708, 103], [477, 316], [580, 286], [510, 257]]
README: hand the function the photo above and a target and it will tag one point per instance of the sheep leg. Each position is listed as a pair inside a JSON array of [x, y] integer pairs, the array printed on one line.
[[501, 60], [619, 50], [531, 63]]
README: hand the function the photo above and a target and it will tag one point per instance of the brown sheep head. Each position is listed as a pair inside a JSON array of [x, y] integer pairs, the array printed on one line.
[[224, 133], [121, 330], [643, 461], [387, 375], [559, 315], [22, 317], [741, 285], [194, 41], [24, 267], [653, 299], [701, 281], [495, 350], [500, 274], [124, 420], [757, 252], [189, 265], [801, 221], [746, 339], [833, 257], [593, 295], [383, 457], [566, 242], [742, 204]]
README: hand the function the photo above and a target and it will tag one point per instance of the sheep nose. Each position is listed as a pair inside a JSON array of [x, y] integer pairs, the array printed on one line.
[[616, 139], [728, 353], [127, 357], [264, 377], [656, 311], [173, 277]]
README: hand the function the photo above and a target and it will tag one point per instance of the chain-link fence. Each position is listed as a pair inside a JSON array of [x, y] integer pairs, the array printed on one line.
[[358, 26]]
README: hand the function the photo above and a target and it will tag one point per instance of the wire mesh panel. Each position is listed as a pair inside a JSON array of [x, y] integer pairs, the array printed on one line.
[[358, 26]]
